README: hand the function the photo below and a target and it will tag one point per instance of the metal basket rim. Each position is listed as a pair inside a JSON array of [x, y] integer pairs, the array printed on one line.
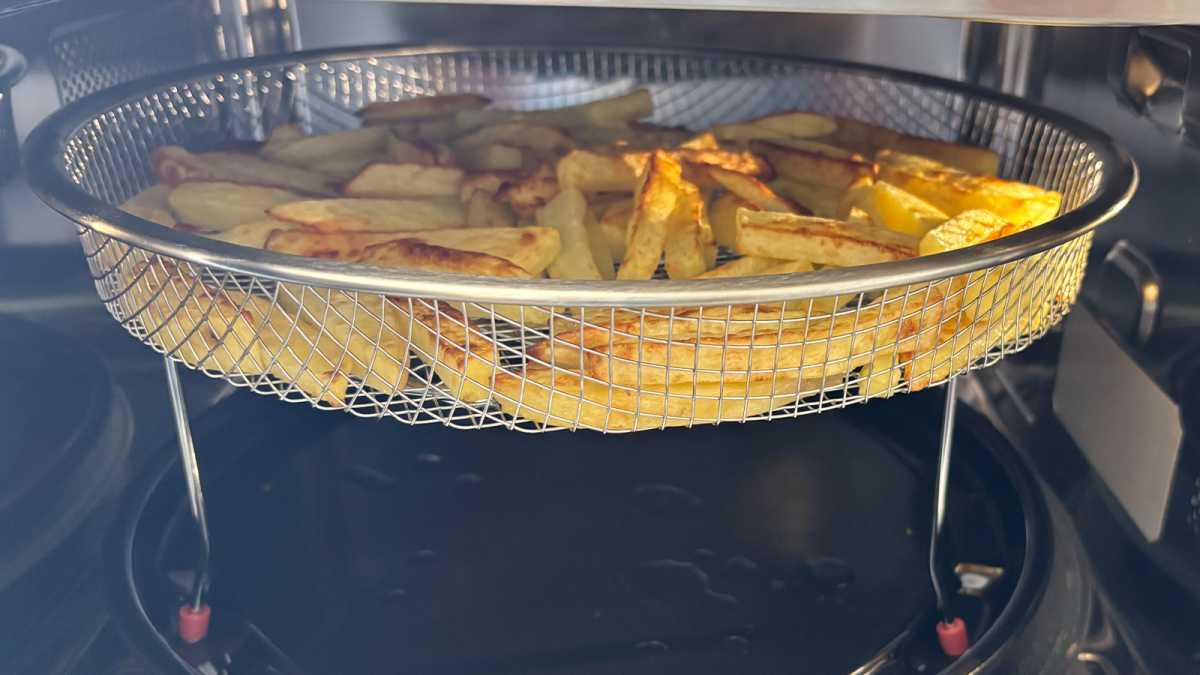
[[47, 176]]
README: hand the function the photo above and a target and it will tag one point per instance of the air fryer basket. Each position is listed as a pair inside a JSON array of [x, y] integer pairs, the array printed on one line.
[[292, 327]]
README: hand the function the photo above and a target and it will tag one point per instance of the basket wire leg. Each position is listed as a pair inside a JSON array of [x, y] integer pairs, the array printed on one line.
[[951, 630], [194, 615]]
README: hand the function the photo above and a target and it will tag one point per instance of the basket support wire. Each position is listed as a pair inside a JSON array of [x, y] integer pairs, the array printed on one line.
[[191, 474], [941, 496]]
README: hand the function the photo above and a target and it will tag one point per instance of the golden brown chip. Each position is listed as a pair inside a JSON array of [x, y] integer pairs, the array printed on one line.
[[529, 193], [819, 240], [373, 215], [654, 205], [814, 165], [955, 191], [756, 192]]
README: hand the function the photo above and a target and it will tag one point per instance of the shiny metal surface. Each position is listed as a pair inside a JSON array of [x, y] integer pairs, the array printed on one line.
[[191, 475], [1146, 280], [1062, 12], [941, 495], [1111, 409], [166, 285]]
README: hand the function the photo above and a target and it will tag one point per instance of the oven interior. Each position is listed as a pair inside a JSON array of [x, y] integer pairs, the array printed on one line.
[[724, 549]]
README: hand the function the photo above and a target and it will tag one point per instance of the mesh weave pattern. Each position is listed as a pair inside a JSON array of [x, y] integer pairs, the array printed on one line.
[[534, 368]]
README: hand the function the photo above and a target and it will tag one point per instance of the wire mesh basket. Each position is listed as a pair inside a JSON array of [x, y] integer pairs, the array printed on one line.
[[540, 354]]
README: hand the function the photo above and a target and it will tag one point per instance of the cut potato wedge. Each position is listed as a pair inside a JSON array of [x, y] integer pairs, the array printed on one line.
[[614, 224], [814, 164], [373, 215], [704, 141], [415, 151], [592, 171], [781, 125], [529, 193], [299, 353], [254, 234], [281, 136], [893, 208], [684, 252], [955, 191], [309, 150], [559, 398], [151, 204], [530, 248], [746, 266], [239, 335], [630, 136], [789, 267], [369, 328], [740, 162], [601, 252], [966, 229], [817, 147], [708, 240], [819, 240], [345, 168], [485, 211], [388, 112], [494, 157], [881, 376], [216, 206], [174, 165], [419, 255], [859, 217], [611, 112], [618, 112], [488, 182], [464, 359], [969, 158], [654, 206], [567, 213], [388, 181], [519, 135], [723, 216], [754, 191], [823, 201], [428, 130], [694, 350], [870, 139]]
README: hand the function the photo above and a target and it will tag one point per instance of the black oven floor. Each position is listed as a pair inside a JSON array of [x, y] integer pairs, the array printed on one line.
[[676, 552], [357, 547]]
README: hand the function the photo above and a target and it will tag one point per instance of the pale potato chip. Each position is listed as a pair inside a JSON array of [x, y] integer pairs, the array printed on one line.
[[567, 213], [216, 206], [385, 180], [373, 215]]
